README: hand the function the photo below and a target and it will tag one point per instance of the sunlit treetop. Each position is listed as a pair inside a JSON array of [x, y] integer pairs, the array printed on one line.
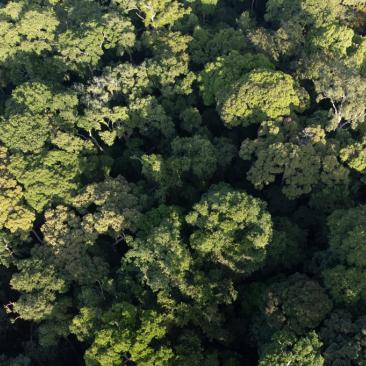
[[231, 228], [254, 98]]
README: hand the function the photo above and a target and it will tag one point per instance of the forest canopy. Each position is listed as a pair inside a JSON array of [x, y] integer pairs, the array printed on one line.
[[183, 182]]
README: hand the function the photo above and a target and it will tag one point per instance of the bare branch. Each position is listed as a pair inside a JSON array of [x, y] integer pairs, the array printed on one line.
[[37, 237]]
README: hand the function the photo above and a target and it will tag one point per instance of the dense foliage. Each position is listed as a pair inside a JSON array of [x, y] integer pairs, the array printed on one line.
[[182, 182]]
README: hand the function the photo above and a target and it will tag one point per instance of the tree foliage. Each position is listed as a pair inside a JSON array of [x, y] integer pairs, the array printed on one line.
[[254, 98], [182, 182], [231, 228]]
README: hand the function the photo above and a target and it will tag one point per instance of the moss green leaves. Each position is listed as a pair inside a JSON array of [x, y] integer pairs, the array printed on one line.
[[117, 202], [287, 349], [231, 228], [296, 303], [345, 275], [303, 156], [31, 113], [40, 285], [225, 71], [159, 251], [26, 30], [303, 12]]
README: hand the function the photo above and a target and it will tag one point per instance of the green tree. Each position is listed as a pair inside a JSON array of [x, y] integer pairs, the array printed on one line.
[[26, 29], [208, 44], [118, 205], [67, 241], [39, 284], [127, 334], [32, 112], [231, 228], [159, 252], [304, 155], [140, 113], [225, 71], [169, 65], [342, 86], [343, 339], [288, 349], [333, 38], [51, 176], [193, 160], [297, 304], [20, 360], [345, 273], [15, 215], [190, 350], [302, 12], [254, 98], [89, 31], [159, 13], [287, 248]]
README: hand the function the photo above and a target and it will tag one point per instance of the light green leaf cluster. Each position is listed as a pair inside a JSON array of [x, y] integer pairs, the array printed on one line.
[[25, 30], [160, 13], [354, 155], [254, 98], [83, 324], [334, 38], [142, 112], [47, 177], [31, 113], [79, 49], [225, 71], [127, 334], [67, 241], [169, 65], [71, 143]]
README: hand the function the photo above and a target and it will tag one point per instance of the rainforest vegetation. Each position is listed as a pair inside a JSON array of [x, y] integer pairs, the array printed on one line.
[[183, 183]]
